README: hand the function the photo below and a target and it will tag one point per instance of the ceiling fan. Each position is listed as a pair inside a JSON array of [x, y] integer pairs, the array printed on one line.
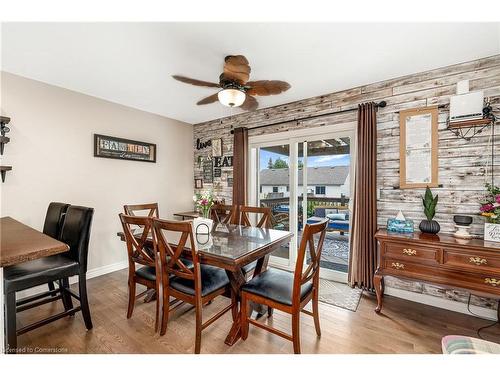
[[237, 90]]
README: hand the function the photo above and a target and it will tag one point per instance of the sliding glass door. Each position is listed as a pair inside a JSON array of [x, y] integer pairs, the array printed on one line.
[[306, 177]]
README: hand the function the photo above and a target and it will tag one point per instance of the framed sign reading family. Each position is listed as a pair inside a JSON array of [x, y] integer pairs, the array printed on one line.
[[119, 148]]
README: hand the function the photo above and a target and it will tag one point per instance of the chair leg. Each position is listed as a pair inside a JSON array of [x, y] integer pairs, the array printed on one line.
[[10, 322], [66, 297], [131, 297], [165, 311], [270, 311], [84, 302], [52, 287], [296, 332], [315, 310], [244, 317], [197, 345]]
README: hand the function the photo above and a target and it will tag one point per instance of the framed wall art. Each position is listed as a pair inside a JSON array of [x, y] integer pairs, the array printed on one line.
[[208, 173], [198, 183], [217, 147], [106, 146], [418, 148]]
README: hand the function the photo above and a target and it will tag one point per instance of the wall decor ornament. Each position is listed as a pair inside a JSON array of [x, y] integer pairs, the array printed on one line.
[[109, 147], [418, 148], [198, 183], [201, 145], [208, 176], [221, 162], [217, 147]]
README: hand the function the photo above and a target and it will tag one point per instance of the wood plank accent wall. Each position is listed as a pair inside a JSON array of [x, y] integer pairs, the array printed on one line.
[[463, 165]]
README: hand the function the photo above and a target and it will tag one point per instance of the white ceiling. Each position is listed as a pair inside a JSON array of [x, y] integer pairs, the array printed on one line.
[[131, 63]]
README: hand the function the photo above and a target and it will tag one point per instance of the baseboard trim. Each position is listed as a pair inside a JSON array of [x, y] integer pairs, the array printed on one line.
[[442, 303], [96, 272]]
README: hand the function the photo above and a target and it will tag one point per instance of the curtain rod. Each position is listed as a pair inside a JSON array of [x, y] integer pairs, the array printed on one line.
[[382, 104]]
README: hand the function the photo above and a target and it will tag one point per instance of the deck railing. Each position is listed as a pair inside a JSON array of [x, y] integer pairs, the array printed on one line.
[[313, 201]]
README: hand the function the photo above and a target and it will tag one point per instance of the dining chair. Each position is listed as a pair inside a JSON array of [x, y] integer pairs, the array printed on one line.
[[54, 219], [139, 253], [263, 219], [135, 209], [289, 292], [263, 216], [75, 232], [222, 213], [196, 285]]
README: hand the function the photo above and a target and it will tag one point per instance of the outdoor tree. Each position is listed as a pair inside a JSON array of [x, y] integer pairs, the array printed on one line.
[[280, 164]]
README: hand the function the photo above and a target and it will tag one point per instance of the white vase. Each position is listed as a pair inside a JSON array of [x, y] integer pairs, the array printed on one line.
[[202, 225], [492, 232]]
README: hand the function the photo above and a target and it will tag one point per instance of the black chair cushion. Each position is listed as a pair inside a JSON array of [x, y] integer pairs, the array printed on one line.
[[249, 267], [212, 279], [36, 272], [276, 285], [146, 272]]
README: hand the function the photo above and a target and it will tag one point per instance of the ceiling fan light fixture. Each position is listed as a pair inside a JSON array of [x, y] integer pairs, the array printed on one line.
[[231, 97]]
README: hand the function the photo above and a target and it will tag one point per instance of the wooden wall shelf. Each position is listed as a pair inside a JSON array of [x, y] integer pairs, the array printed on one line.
[[3, 170], [469, 123], [3, 141]]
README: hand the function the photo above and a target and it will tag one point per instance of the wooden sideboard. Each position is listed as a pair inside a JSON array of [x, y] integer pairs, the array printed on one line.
[[473, 265]]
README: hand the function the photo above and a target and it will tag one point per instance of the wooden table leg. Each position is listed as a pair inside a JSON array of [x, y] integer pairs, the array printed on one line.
[[150, 296], [237, 279], [378, 281]]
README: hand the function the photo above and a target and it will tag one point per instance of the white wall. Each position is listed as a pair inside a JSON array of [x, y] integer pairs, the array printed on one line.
[[51, 151]]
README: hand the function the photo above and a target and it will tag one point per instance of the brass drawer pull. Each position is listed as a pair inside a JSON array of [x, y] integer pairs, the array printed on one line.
[[409, 252], [493, 282], [477, 261], [398, 266]]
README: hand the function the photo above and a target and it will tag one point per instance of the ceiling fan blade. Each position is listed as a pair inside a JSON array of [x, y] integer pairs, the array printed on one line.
[[236, 68], [209, 99], [266, 87], [195, 82], [250, 103]]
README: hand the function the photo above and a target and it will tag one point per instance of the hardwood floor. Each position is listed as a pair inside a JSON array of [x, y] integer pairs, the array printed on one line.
[[403, 327]]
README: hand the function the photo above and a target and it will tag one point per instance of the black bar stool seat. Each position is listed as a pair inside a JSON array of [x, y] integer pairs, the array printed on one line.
[[36, 272]]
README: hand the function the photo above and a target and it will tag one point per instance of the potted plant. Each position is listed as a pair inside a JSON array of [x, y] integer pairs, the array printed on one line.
[[429, 226], [490, 209], [203, 202]]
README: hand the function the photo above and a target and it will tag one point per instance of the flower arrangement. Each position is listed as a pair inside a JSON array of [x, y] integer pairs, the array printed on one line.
[[204, 202], [490, 204]]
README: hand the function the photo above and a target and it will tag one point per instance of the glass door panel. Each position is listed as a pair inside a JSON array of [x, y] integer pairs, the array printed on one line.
[[326, 192], [274, 191]]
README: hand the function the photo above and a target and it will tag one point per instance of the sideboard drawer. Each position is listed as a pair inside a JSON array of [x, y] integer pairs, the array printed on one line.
[[408, 252], [472, 260], [402, 267]]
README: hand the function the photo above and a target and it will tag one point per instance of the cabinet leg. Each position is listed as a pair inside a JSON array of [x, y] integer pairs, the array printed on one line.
[[378, 281]]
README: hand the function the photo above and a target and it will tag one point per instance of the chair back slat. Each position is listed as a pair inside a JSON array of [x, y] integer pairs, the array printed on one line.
[[222, 213], [137, 248], [265, 220], [170, 253], [315, 248], [133, 209]]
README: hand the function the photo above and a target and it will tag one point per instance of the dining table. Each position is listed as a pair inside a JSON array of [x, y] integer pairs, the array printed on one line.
[[232, 247], [20, 243]]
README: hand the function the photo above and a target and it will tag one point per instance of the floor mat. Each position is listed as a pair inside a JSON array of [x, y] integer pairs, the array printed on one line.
[[339, 294]]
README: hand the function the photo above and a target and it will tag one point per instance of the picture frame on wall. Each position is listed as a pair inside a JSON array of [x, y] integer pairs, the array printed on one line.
[[198, 183], [217, 147], [418, 148], [106, 146]]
